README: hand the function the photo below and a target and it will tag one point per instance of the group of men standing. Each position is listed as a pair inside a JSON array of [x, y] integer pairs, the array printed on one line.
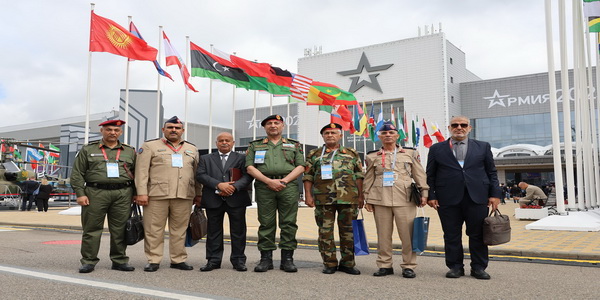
[[460, 182]]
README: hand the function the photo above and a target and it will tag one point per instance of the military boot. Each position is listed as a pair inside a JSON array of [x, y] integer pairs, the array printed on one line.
[[266, 262], [287, 261]]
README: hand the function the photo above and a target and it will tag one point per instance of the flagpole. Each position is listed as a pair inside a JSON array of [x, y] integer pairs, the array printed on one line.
[[158, 120], [86, 135], [354, 140], [254, 118], [233, 112], [577, 45], [566, 108], [270, 104], [591, 140], [185, 113], [126, 133], [210, 101], [288, 117]]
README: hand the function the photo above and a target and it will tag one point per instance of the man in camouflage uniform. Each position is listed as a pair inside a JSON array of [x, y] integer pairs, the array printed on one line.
[[102, 178], [334, 175], [275, 162]]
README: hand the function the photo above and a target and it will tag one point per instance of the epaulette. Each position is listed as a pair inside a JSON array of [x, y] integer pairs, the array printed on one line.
[[372, 151], [190, 143], [312, 152], [409, 148], [292, 140], [152, 140], [93, 143], [351, 150], [256, 140], [128, 146]]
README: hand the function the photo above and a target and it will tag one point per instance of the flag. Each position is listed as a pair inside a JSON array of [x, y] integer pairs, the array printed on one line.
[[406, 127], [414, 133], [33, 154], [137, 33], [262, 76], [591, 11], [108, 36], [173, 58], [341, 115], [363, 121], [427, 142], [393, 120], [379, 120], [358, 115], [53, 157], [400, 126], [437, 133], [17, 155], [371, 125], [321, 93], [300, 86], [208, 65]]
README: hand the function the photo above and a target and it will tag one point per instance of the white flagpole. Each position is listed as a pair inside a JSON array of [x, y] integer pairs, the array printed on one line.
[[558, 178], [254, 118], [233, 112], [577, 89], [270, 104], [354, 135], [185, 113], [86, 135], [592, 162], [126, 133], [566, 104], [595, 122], [158, 120], [287, 117], [209, 111]]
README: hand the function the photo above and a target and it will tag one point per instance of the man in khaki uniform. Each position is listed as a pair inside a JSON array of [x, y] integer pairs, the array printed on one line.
[[103, 181], [387, 188], [166, 185], [532, 194]]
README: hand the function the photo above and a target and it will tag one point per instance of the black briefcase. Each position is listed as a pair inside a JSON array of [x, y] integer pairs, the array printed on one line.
[[134, 227]]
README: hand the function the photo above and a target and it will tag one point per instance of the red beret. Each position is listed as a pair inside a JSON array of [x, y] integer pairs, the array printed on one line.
[[112, 123]]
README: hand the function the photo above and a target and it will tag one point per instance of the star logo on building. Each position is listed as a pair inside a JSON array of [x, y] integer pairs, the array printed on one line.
[[364, 65], [254, 123], [496, 99]]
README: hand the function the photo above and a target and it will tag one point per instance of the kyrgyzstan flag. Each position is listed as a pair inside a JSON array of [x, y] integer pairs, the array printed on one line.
[[108, 36]]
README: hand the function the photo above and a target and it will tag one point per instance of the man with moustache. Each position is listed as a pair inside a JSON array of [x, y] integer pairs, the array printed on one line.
[[166, 185], [275, 162]]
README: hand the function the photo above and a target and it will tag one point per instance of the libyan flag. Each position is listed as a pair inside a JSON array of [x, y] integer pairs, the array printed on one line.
[[205, 64]]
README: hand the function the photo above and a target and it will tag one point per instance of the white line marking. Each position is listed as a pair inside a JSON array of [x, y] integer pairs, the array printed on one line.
[[99, 284]]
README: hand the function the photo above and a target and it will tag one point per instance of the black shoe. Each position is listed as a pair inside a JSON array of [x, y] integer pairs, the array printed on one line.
[[241, 267], [266, 262], [384, 272], [329, 270], [349, 270], [480, 274], [86, 268], [122, 267], [151, 267], [455, 273], [287, 261], [408, 273], [210, 266], [182, 266]]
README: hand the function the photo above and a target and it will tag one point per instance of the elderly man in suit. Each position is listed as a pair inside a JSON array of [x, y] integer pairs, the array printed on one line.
[[463, 182], [225, 184]]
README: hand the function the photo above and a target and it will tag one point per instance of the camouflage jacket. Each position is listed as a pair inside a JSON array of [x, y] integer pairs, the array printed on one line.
[[342, 188]]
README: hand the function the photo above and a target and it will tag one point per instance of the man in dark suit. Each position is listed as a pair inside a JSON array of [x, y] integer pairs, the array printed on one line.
[[223, 194], [463, 182]]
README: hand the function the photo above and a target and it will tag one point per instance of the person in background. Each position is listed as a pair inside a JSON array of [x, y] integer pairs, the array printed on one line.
[[41, 200]]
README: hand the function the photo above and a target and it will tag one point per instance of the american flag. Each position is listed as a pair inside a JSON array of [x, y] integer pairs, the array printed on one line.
[[300, 86]]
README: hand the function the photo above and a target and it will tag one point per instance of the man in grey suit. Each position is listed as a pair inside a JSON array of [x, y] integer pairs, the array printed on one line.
[[224, 190]]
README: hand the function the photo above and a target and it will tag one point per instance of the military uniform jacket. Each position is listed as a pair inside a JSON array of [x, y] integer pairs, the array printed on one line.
[[90, 165], [534, 192], [280, 158], [407, 163], [346, 169], [157, 178]]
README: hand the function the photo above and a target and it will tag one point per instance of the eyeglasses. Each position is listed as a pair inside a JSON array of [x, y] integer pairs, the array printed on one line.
[[463, 125]]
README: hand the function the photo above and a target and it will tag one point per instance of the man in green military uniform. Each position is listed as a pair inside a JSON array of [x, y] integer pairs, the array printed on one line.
[[103, 181], [275, 162], [334, 175]]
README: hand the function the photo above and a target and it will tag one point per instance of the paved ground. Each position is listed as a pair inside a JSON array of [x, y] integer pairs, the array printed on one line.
[[563, 245]]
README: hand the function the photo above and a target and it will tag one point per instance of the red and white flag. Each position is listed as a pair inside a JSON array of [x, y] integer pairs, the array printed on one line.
[[300, 86], [173, 58], [437, 133], [427, 142]]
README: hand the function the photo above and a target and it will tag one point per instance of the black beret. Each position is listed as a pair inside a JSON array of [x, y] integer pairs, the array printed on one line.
[[174, 120], [112, 123], [329, 126], [387, 126], [271, 117]]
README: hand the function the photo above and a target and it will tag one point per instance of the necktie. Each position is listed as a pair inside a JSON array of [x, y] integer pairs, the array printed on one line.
[[223, 160], [460, 150]]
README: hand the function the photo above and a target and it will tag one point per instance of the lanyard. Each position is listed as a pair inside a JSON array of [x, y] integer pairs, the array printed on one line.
[[171, 147], [106, 156], [393, 160], [332, 156]]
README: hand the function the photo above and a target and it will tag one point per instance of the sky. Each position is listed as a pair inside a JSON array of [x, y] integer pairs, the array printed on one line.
[[44, 50]]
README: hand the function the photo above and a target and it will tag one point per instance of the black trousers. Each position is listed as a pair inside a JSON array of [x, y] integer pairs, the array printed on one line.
[[42, 204], [452, 218], [237, 230], [27, 198]]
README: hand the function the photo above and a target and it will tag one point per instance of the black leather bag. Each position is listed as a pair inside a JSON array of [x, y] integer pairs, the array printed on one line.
[[134, 227], [415, 194], [496, 229], [198, 223]]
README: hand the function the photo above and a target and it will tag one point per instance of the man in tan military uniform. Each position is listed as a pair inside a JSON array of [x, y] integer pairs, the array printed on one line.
[[387, 188], [166, 185], [532, 194], [334, 175], [103, 181]]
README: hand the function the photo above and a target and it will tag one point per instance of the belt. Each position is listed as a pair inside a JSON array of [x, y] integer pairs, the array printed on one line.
[[109, 186], [276, 177]]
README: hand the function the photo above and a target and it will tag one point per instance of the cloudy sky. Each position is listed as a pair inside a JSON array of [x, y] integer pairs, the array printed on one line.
[[44, 52]]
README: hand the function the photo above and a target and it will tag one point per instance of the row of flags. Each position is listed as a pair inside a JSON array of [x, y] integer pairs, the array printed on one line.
[[37, 157], [107, 36]]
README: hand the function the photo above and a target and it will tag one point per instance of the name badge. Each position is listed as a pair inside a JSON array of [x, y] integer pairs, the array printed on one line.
[[388, 178], [176, 160], [112, 170], [259, 156], [461, 163], [326, 172]]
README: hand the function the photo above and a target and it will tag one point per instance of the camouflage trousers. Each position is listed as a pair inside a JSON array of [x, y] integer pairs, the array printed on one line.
[[325, 217]]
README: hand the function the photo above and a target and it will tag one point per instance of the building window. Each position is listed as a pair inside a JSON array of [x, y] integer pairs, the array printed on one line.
[[452, 99], [451, 79], [450, 60]]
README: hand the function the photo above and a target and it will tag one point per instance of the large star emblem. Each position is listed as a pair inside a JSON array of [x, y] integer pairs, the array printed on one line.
[[496, 99], [364, 64], [253, 123]]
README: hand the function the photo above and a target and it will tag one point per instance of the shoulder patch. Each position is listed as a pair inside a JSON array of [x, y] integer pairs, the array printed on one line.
[[372, 151], [409, 148], [352, 150]]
